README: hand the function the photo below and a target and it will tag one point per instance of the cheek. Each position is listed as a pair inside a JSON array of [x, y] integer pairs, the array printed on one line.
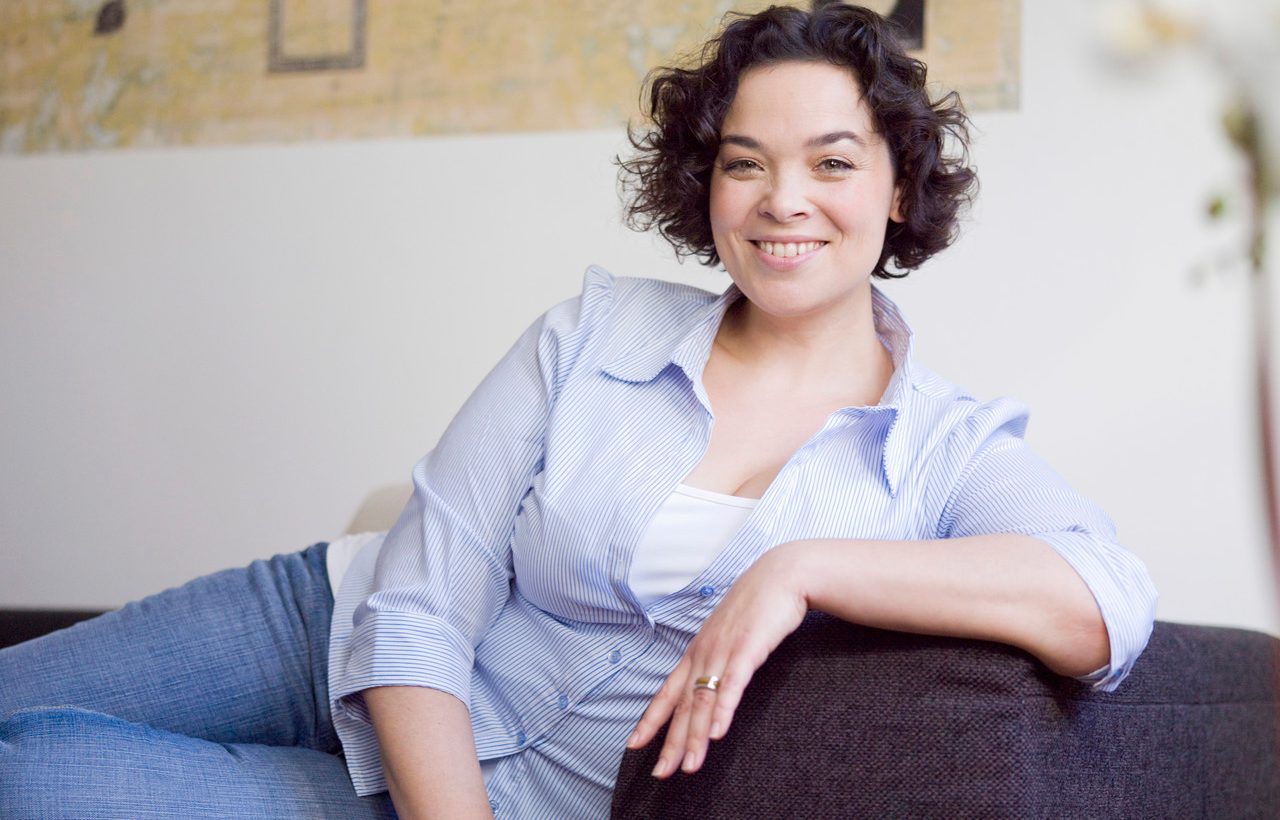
[[716, 204], [725, 209], [861, 216]]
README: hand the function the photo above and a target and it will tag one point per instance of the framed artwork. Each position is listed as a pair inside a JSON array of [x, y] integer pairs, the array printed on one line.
[[301, 36], [81, 75]]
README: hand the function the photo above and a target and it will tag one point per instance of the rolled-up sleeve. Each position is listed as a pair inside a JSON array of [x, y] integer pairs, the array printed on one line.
[[999, 485], [444, 570]]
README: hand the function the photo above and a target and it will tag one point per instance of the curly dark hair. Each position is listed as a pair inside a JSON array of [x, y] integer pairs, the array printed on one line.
[[668, 180]]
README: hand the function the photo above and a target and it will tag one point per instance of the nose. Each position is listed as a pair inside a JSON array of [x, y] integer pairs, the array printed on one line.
[[786, 198]]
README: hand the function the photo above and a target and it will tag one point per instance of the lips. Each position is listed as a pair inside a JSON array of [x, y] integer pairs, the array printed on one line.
[[784, 250]]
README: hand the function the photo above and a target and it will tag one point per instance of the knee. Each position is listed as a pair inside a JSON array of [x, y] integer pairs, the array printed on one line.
[[54, 729], [59, 761], [43, 728]]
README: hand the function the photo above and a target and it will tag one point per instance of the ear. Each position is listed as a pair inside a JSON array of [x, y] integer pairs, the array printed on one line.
[[895, 210]]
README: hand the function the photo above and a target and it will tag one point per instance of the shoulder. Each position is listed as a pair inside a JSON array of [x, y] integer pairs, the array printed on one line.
[[607, 300], [616, 318], [954, 426], [945, 437], [625, 317], [639, 299], [959, 411]]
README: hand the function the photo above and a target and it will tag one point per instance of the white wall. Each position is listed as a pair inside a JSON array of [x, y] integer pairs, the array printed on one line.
[[212, 355]]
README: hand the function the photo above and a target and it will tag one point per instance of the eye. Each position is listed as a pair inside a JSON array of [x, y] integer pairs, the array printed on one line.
[[740, 167], [835, 165]]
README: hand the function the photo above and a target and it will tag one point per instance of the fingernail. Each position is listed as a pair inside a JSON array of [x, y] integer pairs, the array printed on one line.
[[631, 741], [715, 730], [661, 768], [690, 763]]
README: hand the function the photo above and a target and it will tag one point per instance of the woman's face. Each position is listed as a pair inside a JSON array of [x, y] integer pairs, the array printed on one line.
[[802, 190]]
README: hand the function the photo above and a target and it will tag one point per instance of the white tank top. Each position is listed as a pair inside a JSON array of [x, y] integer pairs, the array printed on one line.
[[686, 534]]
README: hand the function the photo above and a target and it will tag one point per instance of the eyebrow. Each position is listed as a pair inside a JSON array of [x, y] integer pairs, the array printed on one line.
[[836, 136], [815, 142]]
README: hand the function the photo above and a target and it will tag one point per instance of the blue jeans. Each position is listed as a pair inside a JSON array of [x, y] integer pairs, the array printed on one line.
[[208, 700]]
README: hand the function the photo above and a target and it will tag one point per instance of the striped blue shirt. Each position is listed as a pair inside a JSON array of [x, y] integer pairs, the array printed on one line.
[[505, 579]]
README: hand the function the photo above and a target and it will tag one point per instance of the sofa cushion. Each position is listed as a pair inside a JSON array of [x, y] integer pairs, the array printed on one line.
[[848, 721]]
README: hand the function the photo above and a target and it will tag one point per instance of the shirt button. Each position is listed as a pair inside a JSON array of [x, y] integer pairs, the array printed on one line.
[[615, 656], [521, 737], [707, 591], [563, 700]]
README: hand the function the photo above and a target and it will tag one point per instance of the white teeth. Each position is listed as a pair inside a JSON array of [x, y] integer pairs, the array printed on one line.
[[786, 249]]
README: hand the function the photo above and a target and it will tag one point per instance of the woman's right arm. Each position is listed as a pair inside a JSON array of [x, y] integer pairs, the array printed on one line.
[[444, 573], [428, 753]]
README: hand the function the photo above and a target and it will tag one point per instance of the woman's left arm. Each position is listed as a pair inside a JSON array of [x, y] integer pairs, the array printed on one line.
[[1008, 588], [1016, 556]]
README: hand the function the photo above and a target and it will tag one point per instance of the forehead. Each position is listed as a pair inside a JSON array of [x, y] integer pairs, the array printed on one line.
[[797, 99]]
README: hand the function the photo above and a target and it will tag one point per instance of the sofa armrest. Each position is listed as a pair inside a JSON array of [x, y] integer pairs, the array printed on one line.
[[18, 625], [848, 721], [380, 508]]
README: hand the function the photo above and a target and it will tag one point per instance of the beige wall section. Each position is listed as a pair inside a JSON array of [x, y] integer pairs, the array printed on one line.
[[210, 355], [180, 73]]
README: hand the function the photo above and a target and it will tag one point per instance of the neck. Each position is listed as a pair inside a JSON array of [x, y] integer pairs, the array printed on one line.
[[810, 348]]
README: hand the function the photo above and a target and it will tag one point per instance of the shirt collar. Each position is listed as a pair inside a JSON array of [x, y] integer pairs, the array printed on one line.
[[895, 334], [688, 345]]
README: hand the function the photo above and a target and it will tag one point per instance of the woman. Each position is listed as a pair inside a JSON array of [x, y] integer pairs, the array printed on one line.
[[633, 509]]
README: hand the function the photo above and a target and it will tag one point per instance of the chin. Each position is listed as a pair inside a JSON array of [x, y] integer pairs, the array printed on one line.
[[795, 297], [787, 306]]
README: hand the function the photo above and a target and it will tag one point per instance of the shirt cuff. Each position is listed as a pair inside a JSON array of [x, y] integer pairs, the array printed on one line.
[[1123, 591], [410, 649], [1097, 677]]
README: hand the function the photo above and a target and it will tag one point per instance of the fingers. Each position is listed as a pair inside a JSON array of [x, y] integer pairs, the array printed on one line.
[[699, 725], [712, 712], [672, 753], [661, 707], [732, 643], [697, 714], [727, 700], [690, 710], [689, 733]]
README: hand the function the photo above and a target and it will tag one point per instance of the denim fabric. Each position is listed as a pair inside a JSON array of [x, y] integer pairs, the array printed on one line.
[[208, 700]]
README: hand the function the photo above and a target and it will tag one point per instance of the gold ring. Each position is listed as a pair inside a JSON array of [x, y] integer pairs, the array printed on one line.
[[711, 682]]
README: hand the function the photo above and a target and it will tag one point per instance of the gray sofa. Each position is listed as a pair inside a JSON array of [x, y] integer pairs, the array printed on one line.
[[848, 721]]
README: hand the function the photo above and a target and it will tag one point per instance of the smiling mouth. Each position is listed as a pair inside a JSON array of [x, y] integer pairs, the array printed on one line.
[[782, 250]]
